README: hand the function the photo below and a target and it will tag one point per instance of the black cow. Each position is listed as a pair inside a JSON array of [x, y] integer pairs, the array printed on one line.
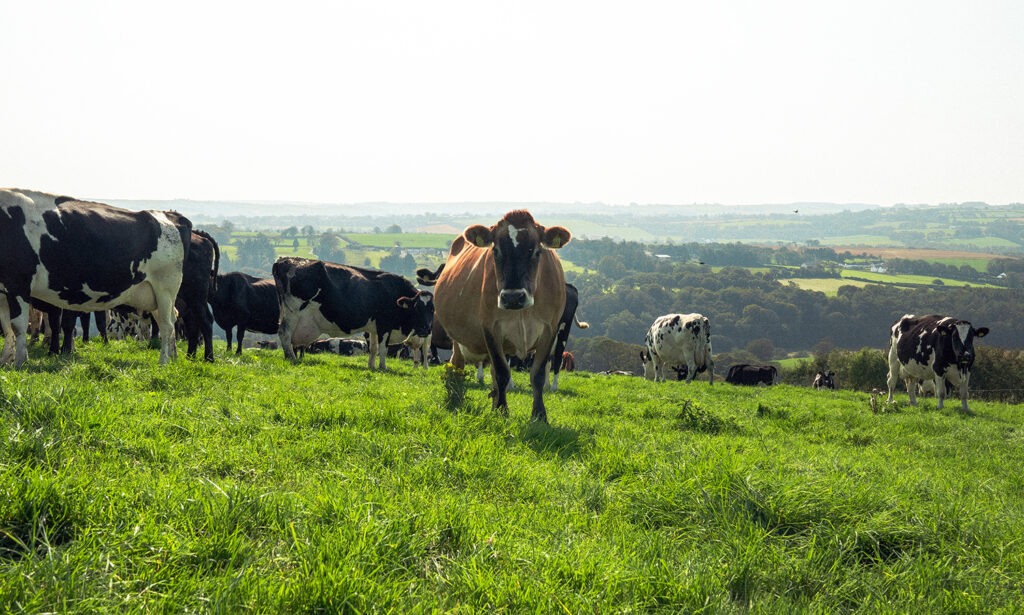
[[198, 281], [86, 256], [243, 301], [933, 347], [824, 380], [319, 297], [752, 375]]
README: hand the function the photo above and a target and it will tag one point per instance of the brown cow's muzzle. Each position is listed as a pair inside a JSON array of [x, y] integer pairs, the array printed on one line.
[[514, 299]]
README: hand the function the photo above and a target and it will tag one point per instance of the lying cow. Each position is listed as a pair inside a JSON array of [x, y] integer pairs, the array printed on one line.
[[752, 375], [933, 347], [318, 297], [824, 380], [85, 256], [243, 301], [502, 292], [338, 346], [678, 339]]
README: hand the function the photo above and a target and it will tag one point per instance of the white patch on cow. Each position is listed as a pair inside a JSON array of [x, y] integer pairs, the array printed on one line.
[[424, 299], [962, 330], [513, 232]]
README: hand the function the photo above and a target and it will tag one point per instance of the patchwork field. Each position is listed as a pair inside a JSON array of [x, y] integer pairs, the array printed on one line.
[[254, 484]]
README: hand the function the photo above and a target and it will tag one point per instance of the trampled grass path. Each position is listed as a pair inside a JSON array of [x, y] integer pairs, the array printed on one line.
[[259, 485]]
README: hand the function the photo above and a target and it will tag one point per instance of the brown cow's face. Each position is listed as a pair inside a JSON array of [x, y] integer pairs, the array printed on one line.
[[517, 242]]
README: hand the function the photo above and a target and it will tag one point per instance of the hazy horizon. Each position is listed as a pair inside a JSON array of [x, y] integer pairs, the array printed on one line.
[[466, 102]]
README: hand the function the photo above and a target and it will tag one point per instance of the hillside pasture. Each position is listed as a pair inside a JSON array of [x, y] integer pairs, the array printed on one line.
[[257, 484], [907, 279]]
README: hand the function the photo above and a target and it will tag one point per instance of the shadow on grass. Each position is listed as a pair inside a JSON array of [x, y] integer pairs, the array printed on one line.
[[564, 442]]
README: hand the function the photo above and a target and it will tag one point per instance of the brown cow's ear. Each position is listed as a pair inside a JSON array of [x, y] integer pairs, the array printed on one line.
[[556, 237], [982, 332], [480, 236], [405, 302]]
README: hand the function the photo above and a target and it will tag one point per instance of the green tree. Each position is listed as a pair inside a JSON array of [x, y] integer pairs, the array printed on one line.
[[256, 253]]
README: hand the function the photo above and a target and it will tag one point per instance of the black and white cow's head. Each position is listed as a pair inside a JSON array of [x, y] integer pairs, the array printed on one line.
[[419, 312], [960, 334], [516, 242]]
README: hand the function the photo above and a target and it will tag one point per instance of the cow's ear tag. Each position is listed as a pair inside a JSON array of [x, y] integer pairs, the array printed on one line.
[[944, 332], [556, 242], [480, 242]]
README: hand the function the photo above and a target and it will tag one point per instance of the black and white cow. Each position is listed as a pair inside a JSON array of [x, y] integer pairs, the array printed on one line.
[[572, 303], [824, 380], [318, 297], [934, 347], [678, 339], [338, 346], [752, 375], [86, 256], [125, 323], [243, 301]]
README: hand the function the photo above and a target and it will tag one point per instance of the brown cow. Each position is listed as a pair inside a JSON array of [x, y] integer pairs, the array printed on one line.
[[568, 362], [501, 293]]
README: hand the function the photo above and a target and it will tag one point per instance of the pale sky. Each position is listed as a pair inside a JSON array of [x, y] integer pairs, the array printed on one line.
[[650, 102]]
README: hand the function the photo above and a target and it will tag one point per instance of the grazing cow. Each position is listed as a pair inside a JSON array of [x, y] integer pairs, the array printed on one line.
[[824, 380], [319, 297], [86, 256], [502, 292], [678, 339], [572, 302], [243, 301], [617, 372], [198, 281], [752, 375], [125, 323], [339, 346], [933, 347], [266, 345], [568, 362]]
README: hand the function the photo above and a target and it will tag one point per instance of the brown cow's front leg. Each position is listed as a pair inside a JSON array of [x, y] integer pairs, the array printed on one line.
[[538, 377], [500, 375]]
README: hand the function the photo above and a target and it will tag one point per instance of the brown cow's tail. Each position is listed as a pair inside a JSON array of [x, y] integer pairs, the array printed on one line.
[[426, 277], [580, 323], [216, 258]]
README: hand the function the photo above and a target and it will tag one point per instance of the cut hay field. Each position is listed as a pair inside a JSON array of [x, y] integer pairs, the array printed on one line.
[[978, 260], [254, 484]]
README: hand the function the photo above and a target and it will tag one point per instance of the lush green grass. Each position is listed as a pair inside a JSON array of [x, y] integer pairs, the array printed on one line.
[[256, 484]]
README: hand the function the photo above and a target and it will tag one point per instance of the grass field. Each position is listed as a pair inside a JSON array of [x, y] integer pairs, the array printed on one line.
[[909, 279], [260, 485], [407, 240]]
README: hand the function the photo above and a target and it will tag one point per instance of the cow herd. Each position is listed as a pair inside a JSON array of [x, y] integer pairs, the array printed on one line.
[[501, 294]]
